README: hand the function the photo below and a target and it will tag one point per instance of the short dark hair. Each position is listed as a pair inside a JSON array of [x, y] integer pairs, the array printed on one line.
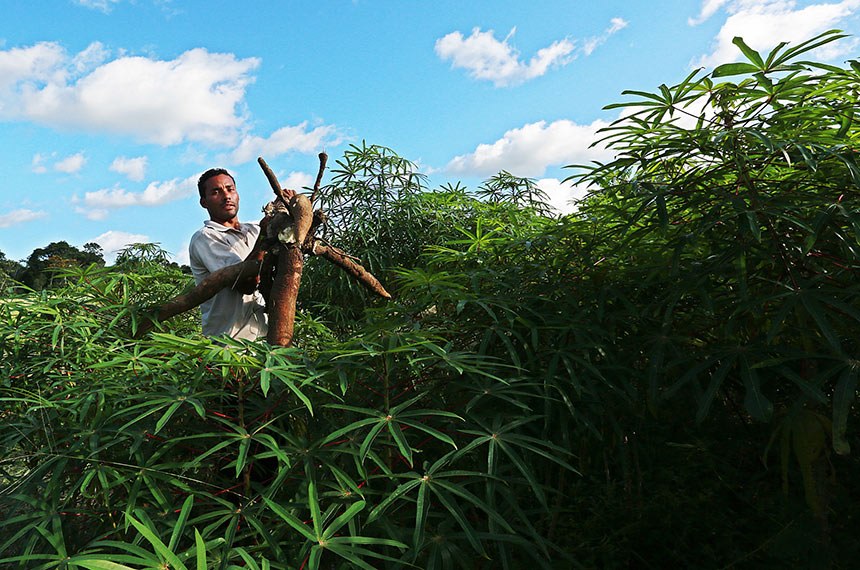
[[209, 174]]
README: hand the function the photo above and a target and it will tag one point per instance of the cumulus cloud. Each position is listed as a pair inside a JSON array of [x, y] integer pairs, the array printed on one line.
[[42, 63], [96, 205], [197, 96], [133, 168], [71, 164], [530, 149], [113, 241], [299, 138], [17, 217], [563, 196], [765, 23], [485, 57], [298, 180]]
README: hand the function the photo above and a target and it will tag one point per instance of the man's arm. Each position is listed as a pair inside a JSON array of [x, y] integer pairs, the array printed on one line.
[[249, 284]]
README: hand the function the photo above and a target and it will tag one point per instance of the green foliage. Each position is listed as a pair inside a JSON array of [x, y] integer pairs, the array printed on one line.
[[607, 389], [734, 206], [43, 265], [179, 451], [8, 268]]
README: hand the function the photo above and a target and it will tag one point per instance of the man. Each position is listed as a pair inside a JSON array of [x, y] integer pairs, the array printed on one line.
[[223, 241]]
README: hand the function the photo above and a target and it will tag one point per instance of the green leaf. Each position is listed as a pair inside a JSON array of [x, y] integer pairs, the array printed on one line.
[[400, 440], [241, 458], [422, 507], [313, 503], [758, 406], [179, 527], [96, 564], [163, 551], [395, 495], [343, 519], [291, 520], [729, 69], [200, 549], [824, 327], [750, 53], [843, 396], [364, 449]]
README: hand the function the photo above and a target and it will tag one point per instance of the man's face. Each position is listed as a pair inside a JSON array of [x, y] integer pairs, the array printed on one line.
[[220, 199]]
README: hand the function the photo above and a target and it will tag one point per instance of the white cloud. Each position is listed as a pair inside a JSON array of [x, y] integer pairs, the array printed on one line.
[[96, 204], [71, 164], [101, 5], [95, 214], [17, 217], [197, 96], [38, 165], [291, 138], [529, 150], [133, 168], [591, 44], [298, 180], [764, 23], [709, 8], [485, 57], [41, 63], [182, 256], [562, 195], [113, 241]]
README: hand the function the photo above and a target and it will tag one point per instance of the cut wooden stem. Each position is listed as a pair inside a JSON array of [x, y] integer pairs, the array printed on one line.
[[323, 159], [273, 180], [285, 291], [224, 278], [344, 261]]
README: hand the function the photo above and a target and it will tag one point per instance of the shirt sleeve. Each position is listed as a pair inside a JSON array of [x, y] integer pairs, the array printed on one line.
[[211, 250]]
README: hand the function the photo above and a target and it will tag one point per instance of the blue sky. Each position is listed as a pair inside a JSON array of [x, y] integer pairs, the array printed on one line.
[[110, 109]]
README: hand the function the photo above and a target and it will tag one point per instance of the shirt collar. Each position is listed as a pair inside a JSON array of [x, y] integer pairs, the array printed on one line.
[[221, 227]]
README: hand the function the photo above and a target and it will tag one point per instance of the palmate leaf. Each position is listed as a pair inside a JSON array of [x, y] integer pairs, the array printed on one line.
[[776, 59], [350, 552], [291, 520], [324, 539], [342, 519], [165, 554], [457, 513], [413, 480]]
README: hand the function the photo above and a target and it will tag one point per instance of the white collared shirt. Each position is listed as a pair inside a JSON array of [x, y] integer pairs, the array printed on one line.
[[214, 247]]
